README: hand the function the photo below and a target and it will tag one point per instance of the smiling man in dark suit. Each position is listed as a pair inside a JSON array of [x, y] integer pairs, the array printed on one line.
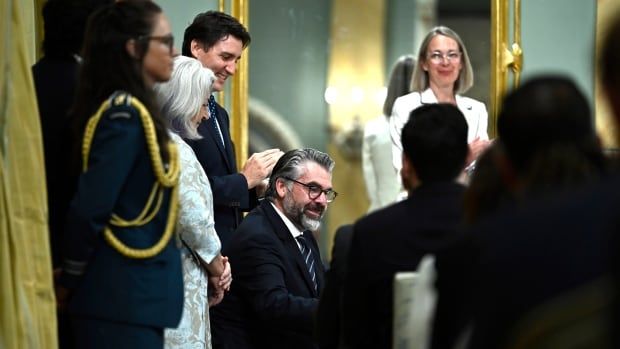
[[278, 273], [396, 238], [217, 40]]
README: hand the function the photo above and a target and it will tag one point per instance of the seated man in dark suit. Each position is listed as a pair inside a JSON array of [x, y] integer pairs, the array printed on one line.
[[396, 238], [278, 273]]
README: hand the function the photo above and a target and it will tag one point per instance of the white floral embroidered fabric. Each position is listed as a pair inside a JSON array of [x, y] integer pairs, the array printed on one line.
[[196, 227]]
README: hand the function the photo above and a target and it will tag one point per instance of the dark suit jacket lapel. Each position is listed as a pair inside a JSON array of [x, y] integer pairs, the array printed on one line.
[[292, 248], [228, 152], [212, 132]]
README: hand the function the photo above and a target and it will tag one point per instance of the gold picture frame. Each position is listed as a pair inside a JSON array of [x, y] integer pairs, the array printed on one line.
[[506, 54], [239, 97]]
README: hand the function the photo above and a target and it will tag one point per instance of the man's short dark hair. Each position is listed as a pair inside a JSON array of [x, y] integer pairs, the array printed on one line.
[[548, 135], [544, 112], [210, 27], [435, 141]]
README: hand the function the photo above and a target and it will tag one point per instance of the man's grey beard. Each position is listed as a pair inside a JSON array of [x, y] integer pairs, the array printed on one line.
[[309, 224], [296, 214]]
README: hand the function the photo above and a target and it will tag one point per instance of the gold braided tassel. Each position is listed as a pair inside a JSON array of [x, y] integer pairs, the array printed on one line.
[[159, 246], [165, 179], [142, 217]]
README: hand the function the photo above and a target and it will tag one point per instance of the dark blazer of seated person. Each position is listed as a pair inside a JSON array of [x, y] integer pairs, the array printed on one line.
[[328, 323], [273, 300], [270, 303], [395, 238]]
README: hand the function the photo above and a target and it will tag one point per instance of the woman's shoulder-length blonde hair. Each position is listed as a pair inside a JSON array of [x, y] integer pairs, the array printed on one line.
[[420, 81]]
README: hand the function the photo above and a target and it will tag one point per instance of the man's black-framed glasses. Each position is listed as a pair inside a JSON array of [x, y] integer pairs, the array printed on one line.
[[314, 191]]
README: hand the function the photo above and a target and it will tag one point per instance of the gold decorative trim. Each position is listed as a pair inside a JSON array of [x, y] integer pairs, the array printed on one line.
[[606, 11], [238, 107], [239, 90], [517, 51], [503, 59], [39, 28], [498, 84]]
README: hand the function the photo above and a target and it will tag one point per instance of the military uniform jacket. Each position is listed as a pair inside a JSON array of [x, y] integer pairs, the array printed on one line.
[[106, 284]]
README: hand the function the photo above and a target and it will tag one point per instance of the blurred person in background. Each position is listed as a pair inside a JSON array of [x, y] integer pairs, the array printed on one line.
[[382, 184]]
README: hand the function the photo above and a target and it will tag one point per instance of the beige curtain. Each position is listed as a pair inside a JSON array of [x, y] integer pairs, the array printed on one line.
[[27, 304]]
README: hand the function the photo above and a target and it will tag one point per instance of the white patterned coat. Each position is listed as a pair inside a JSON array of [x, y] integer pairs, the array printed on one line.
[[196, 227]]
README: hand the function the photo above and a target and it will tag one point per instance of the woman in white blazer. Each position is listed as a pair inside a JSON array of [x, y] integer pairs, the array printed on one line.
[[443, 72], [382, 183]]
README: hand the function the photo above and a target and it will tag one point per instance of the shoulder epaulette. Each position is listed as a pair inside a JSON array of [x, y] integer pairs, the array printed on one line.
[[120, 98]]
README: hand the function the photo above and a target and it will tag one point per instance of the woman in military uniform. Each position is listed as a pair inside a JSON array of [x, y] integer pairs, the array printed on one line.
[[121, 280]]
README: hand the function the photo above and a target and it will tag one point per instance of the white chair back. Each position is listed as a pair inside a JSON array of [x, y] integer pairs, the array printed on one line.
[[414, 305]]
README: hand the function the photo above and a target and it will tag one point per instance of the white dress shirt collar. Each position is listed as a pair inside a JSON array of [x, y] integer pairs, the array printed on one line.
[[292, 228]]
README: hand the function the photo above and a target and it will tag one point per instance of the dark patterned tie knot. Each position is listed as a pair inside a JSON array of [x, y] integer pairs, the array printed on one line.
[[213, 119], [212, 109]]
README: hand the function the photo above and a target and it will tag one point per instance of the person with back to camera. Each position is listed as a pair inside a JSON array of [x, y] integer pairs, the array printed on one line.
[[534, 253], [524, 252], [379, 174], [183, 100], [121, 279], [217, 40], [396, 238], [443, 72]]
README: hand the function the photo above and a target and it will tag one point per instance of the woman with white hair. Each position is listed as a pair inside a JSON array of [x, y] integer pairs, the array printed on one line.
[[443, 72], [206, 274]]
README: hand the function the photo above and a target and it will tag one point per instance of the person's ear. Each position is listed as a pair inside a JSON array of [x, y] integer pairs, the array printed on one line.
[[131, 48], [408, 175], [196, 48], [280, 187]]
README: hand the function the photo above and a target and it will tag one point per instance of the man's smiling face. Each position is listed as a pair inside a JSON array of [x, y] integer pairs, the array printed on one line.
[[221, 58]]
